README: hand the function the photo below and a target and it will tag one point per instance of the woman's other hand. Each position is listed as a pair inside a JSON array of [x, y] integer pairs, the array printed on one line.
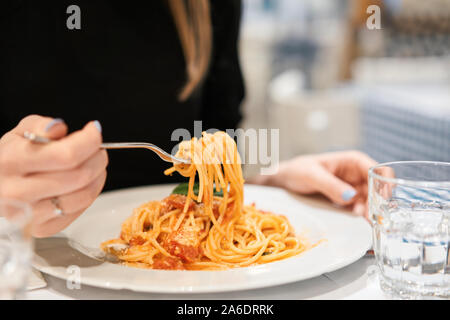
[[340, 176], [70, 171]]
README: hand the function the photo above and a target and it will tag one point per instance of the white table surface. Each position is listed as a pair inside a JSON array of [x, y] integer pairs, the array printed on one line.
[[351, 282]]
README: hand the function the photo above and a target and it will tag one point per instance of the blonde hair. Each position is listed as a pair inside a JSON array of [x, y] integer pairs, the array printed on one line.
[[193, 21]]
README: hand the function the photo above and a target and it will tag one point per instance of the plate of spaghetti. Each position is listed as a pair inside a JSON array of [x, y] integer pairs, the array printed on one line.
[[204, 235]]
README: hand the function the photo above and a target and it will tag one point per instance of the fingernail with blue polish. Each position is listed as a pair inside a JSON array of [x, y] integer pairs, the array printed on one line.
[[52, 123], [98, 125], [348, 194]]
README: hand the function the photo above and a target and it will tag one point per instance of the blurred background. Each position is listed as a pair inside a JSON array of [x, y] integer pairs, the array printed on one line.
[[314, 70]]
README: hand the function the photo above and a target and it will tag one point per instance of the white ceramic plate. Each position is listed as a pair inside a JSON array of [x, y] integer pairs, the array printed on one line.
[[347, 239]]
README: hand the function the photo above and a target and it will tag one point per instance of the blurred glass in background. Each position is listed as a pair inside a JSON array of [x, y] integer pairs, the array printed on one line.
[[16, 247], [315, 70]]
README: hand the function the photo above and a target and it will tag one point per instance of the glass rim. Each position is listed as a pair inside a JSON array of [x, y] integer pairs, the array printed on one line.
[[410, 182], [24, 206]]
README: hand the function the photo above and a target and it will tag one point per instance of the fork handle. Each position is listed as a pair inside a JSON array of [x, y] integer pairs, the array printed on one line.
[[117, 145], [144, 145], [126, 145]]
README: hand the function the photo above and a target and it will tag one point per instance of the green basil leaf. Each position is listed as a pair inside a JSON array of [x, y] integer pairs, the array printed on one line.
[[183, 189]]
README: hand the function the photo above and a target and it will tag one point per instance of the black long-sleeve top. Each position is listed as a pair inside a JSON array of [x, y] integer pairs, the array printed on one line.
[[124, 67]]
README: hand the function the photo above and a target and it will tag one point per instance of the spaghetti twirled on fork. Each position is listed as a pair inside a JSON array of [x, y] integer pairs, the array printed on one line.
[[201, 230]]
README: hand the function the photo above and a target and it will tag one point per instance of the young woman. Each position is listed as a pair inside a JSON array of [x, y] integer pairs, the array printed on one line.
[[143, 70]]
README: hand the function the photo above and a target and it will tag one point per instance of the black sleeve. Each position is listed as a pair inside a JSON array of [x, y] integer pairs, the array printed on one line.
[[12, 26], [9, 7], [223, 89]]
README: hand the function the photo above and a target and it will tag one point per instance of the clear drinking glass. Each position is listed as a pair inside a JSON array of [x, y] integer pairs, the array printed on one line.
[[409, 208], [16, 247]]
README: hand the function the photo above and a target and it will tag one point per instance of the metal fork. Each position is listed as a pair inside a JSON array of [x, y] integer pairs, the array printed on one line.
[[118, 145]]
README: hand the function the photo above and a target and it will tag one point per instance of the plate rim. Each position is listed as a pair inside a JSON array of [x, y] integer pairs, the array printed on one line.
[[278, 281]]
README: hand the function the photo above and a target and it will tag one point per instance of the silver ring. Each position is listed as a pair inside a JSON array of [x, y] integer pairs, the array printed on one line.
[[35, 138], [57, 211]]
